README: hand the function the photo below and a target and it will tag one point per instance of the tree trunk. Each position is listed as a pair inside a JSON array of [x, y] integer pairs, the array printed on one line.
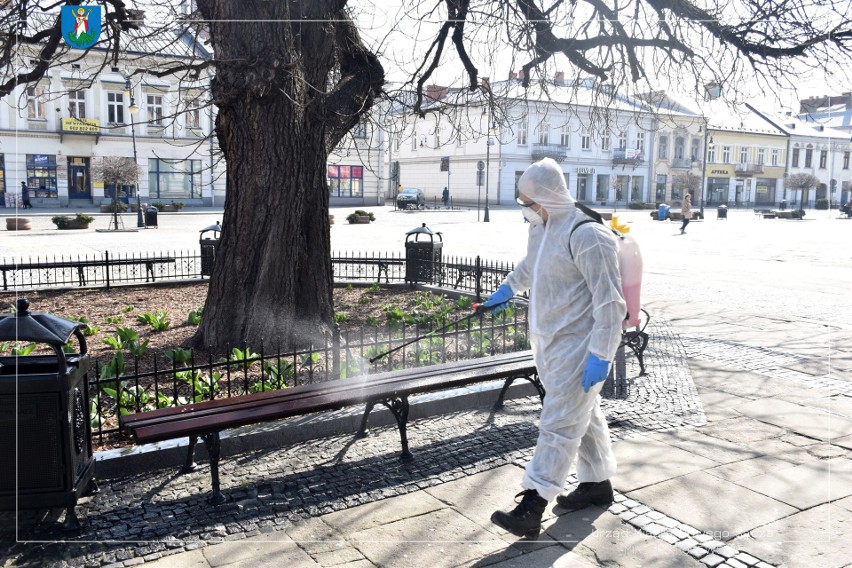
[[277, 117]]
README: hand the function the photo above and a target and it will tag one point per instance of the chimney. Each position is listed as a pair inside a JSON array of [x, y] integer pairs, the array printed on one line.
[[521, 75], [559, 79], [512, 75]]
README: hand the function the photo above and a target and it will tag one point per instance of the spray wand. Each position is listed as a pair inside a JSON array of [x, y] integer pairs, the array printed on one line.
[[477, 309]]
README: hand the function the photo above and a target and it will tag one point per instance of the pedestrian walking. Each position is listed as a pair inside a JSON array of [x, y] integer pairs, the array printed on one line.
[[575, 314], [686, 210], [25, 195], [445, 197]]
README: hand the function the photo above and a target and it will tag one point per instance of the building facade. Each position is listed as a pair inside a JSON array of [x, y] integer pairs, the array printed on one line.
[[54, 134]]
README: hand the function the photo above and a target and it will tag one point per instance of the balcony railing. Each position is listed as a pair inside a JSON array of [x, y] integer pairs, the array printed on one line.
[[749, 168], [682, 163], [554, 151], [627, 157]]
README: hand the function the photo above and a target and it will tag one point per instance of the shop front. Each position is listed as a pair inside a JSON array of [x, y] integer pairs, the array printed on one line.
[[42, 178]]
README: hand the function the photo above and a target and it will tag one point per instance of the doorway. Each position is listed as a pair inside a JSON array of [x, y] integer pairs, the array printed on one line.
[[79, 178]]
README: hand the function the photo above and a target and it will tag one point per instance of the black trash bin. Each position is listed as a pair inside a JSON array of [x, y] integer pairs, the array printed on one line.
[[422, 258], [208, 248], [45, 432], [782, 205], [151, 216], [722, 211]]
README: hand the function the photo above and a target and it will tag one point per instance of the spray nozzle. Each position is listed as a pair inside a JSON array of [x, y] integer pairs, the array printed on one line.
[[620, 227]]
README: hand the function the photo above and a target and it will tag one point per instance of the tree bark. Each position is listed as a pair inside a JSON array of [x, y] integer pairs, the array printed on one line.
[[277, 116]]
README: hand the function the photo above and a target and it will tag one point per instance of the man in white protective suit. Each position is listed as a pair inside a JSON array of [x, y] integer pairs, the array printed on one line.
[[575, 315]]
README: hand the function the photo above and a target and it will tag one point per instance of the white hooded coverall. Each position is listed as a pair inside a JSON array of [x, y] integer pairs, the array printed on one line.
[[576, 307]]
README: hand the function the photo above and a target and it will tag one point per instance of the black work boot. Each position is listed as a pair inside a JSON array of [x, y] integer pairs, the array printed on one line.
[[525, 519], [588, 493]]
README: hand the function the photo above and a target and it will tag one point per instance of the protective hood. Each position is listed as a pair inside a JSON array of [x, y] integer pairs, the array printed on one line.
[[544, 183]]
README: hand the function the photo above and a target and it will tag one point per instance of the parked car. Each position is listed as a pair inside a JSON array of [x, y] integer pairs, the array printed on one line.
[[410, 197]]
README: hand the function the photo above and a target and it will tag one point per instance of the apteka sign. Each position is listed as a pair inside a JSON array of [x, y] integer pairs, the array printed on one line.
[[81, 25]]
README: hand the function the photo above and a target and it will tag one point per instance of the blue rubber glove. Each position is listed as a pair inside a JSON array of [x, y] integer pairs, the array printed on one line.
[[594, 372], [499, 299]]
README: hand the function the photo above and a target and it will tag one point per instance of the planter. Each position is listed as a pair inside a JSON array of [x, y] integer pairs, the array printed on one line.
[[359, 220], [74, 224], [18, 223], [168, 209]]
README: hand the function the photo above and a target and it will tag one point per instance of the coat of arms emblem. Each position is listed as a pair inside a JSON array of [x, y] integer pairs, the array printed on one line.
[[81, 25]]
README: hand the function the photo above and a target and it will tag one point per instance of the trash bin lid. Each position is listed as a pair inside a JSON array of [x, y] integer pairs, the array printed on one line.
[[217, 228], [422, 230], [39, 327]]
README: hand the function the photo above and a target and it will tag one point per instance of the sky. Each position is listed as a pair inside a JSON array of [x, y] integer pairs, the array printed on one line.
[[395, 30]]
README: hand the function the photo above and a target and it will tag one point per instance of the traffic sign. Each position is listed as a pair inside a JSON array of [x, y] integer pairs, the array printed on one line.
[[480, 165]]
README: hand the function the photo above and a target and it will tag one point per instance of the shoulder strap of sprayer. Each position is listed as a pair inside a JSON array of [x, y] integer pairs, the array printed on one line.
[[594, 217]]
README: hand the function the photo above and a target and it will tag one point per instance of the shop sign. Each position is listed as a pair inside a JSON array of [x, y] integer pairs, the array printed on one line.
[[720, 171], [585, 170], [92, 125]]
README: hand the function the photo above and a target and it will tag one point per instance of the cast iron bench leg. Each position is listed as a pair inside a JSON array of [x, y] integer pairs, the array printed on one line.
[[362, 430], [533, 380], [211, 440], [189, 466], [399, 408]]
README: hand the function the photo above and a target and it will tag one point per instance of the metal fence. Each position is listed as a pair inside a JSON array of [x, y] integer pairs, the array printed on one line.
[[122, 384], [109, 269]]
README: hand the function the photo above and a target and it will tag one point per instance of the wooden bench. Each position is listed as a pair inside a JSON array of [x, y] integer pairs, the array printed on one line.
[[82, 265], [392, 388]]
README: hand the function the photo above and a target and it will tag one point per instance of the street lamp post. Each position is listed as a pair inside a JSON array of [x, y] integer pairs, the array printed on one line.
[[488, 143], [705, 152], [134, 110]]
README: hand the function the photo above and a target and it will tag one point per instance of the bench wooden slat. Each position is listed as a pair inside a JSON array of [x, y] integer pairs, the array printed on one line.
[[220, 414]]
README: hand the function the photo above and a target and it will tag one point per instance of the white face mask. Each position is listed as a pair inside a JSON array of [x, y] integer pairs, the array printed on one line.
[[532, 216]]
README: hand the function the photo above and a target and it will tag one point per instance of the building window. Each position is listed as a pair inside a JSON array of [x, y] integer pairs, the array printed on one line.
[[726, 154], [661, 187], [776, 157], [809, 158], [680, 148], [664, 147], [761, 156], [743, 155], [77, 104], [544, 133], [35, 102], [360, 130], [823, 159], [397, 140], [602, 189], [845, 160], [155, 110], [711, 154], [171, 179], [522, 133], [640, 141], [606, 142], [193, 114], [346, 181], [437, 137], [794, 160], [115, 108], [637, 184], [695, 151], [585, 141], [565, 138], [41, 175], [622, 141]]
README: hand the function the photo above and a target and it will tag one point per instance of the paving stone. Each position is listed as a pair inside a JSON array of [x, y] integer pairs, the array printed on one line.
[[668, 537], [687, 544], [746, 559], [725, 551], [734, 563], [697, 552], [712, 560]]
